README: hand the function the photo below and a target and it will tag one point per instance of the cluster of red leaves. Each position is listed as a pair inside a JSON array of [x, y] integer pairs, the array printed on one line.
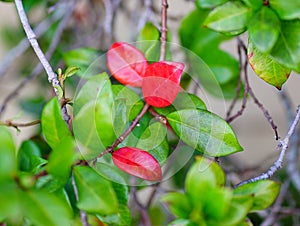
[[160, 83]]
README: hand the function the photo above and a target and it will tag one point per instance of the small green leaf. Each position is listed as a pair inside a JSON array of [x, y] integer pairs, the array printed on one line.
[[96, 194], [265, 192], [267, 68], [231, 17], [183, 101], [29, 157], [287, 49], [178, 204], [182, 222], [286, 10], [203, 176], [254, 4], [209, 3], [54, 127], [121, 218], [71, 70], [61, 159], [264, 28], [8, 161], [45, 209], [204, 131]]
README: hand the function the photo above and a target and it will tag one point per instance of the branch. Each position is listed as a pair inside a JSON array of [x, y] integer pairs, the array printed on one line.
[[292, 155], [125, 134], [83, 215], [17, 125], [143, 210], [283, 145], [52, 77], [164, 30]]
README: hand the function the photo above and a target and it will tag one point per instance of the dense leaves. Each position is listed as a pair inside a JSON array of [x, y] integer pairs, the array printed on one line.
[[138, 163]]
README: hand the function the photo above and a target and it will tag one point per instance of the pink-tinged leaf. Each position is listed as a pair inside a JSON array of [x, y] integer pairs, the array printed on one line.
[[126, 63], [137, 162], [161, 83]]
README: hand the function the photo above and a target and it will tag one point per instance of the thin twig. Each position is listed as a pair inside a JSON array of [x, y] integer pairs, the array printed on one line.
[[17, 125], [164, 30], [292, 155], [283, 145], [83, 215], [17, 51], [111, 148], [243, 67], [52, 77], [143, 210]]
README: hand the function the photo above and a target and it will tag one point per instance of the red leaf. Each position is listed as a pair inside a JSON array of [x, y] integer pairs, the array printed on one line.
[[138, 163], [126, 63], [161, 83]]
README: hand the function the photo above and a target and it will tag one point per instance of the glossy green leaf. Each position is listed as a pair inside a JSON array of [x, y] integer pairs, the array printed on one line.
[[61, 159], [8, 161], [96, 194], [264, 28], [120, 117], [82, 58], [204, 131], [203, 176], [54, 127], [219, 77], [71, 70], [231, 17], [255, 5], [286, 10], [209, 3], [45, 209], [87, 121], [133, 102], [121, 218], [183, 101], [267, 68], [29, 157], [265, 192], [178, 204], [287, 49], [237, 211]]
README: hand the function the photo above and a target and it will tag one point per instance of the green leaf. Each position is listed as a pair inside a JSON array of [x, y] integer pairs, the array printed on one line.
[[71, 70], [96, 194], [183, 101], [209, 3], [265, 192], [287, 49], [286, 10], [254, 4], [267, 68], [219, 77], [43, 208], [133, 102], [264, 28], [8, 161], [54, 127], [231, 17], [10, 208], [93, 117], [178, 204], [204, 131], [153, 138], [237, 211], [29, 157], [203, 176], [82, 58], [61, 160], [121, 218]]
